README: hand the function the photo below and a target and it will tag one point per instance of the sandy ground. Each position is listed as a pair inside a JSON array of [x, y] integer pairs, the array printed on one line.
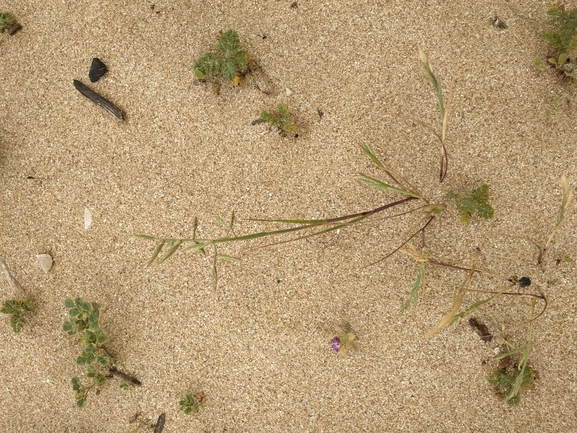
[[259, 345]]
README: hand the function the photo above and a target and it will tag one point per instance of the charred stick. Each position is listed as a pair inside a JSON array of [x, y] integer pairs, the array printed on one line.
[[98, 100]]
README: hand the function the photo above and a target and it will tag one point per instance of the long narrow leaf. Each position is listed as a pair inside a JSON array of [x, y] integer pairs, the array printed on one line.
[[457, 302], [414, 292], [214, 273], [375, 183], [171, 251], [229, 258], [156, 252], [367, 149]]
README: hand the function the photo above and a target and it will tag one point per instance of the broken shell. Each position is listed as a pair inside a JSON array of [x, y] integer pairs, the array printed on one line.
[[45, 261]]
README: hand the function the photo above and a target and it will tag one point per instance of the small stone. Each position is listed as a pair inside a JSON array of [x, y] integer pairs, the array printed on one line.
[[45, 261], [288, 91], [97, 70]]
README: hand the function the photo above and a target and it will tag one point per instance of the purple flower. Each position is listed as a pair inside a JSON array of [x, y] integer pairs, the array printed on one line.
[[336, 346]]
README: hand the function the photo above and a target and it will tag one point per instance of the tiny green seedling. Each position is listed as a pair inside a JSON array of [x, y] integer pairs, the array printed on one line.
[[7, 20], [281, 119], [17, 311], [8, 23], [229, 60], [473, 202], [192, 403], [563, 39]]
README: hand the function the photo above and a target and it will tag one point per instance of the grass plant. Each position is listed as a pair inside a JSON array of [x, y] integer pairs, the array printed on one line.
[[470, 203]]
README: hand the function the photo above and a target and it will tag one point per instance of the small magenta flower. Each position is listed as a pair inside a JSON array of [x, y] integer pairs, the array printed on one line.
[[336, 346]]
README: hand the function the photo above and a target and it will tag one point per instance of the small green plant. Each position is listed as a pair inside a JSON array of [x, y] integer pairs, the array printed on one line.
[[563, 39], [85, 321], [7, 20], [473, 202], [509, 380], [17, 311], [281, 119], [192, 403], [343, 341], [229, 60]]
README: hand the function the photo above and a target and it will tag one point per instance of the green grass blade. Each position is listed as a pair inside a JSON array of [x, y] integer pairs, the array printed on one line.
[[156, 252], [367, 149], [171, 251], [229, 258], [375, 183], [414, 292]]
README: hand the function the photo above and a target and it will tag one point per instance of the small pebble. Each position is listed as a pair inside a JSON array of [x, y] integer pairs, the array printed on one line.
[[289, 91], [45, 261], [97, 70]]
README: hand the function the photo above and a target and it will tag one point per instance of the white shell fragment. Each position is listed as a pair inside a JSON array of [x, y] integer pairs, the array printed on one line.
[[45, 261], [87, 218], [288, 91]]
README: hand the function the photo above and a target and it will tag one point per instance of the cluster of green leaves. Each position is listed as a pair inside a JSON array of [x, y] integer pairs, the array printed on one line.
[[229, 60], [84, 320], [191, 403], [473, 202], [17, 311], [7, 20], [281, 118], [563, 38], [510, 384]]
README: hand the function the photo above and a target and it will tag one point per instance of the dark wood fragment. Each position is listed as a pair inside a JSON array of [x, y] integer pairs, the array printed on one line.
[[160, 423], [124, 376], [14, 29], [98, 100], [481, 329]]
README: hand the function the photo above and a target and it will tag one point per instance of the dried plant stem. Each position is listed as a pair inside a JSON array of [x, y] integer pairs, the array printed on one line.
[[12, 282], [464, 268]]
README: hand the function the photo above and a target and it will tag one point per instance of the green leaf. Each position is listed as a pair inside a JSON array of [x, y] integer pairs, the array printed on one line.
[[241, 59], [375, 183], [229, 43], [69, 303], [170, 251], [228, 68], [367, 149], [229, 258], [208, 64], [81, 402], [199, 246], [473, 202], [144, 238], [414, 292]]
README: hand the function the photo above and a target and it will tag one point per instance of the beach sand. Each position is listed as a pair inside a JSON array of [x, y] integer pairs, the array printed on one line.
[[258, 346]]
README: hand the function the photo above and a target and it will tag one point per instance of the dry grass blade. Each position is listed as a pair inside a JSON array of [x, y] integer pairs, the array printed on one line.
[[12, 282], [434, 81], [561, 215], [457, 302], [412, 251]]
